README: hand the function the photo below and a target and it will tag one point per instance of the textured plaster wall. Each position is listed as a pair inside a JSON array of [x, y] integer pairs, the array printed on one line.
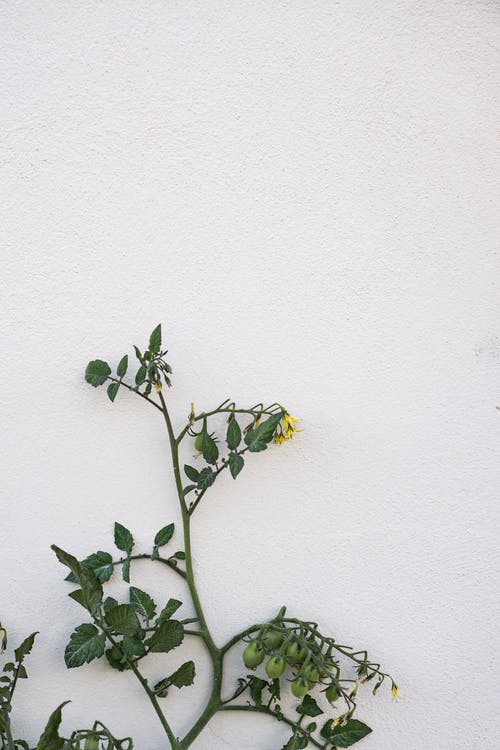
[[303, 193]]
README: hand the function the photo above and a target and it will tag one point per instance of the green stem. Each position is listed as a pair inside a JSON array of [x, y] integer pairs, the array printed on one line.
[[152, 697], [163, 560], [130, 388], [213, 703], [8, 732], [268, 712], [204, 415]]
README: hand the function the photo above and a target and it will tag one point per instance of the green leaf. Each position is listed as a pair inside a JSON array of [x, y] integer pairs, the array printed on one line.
[[206, 478], [85, 644], [168, 636], [112, 390], [142, 603], [345, 736], [155, 340], [236, 463], [233, 437], [141, 375], [309, 707], [168, 610], [184, 676], [91, 588], [97, 372], [297, 742], [191, 472], [123, 538], [123, 619], [126, 570], [109, 604], [133, 646], [209, 448], [256, 687], [116, 659], [25, 648], [121, 370], [138, 354], [50, 739], [258, 438], [101, 564], [164, 535]]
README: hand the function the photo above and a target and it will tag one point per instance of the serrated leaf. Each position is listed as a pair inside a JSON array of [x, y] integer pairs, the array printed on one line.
[[344, 736], [123, 538], [123, 619], [101, 564], [85, 644], [126, 570], [256, 687], [297, 742], [209, 448], [109, 604], [116, 659], [168, 636], [168, 610], [50, 739], [184, 676], [112, 390], [155, 340], [91, 587], [121, 370], [138, 354], [142, 603], [140, 376], [133, 646], [309, 707], [233, 436], [191, 472], [236, 463], [97, 372], [164, 535], [206, 478], [25, 648], [258, 438]]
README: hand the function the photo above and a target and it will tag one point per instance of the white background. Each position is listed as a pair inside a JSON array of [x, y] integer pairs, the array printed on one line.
[[303, 194]]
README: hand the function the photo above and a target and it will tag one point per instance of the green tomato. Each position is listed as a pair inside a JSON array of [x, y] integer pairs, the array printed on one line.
[[296, 653], [91, 743], [310, 673], [332, 694], [300, 687], [253, 655], [275, 667], [272, 639], [198, 442]]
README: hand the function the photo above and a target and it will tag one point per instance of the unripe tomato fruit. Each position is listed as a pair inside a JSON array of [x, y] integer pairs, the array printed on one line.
[[253, 655], [198, 442], [272, 639], [296, 652], [300, 687], [91, 743], [275, 667], [310, 673], [332, 694]]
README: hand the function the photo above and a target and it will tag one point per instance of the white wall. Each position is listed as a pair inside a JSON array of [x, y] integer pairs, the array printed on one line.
[[303, 193]]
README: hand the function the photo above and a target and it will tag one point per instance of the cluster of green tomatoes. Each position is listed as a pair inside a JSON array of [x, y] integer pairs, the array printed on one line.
[[284, 648]]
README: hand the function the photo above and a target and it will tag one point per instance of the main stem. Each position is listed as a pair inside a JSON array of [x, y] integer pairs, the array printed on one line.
[[216, 656]]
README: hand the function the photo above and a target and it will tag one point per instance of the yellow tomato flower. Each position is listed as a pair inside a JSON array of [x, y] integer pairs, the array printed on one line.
[[395, 691], [286, 428]]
